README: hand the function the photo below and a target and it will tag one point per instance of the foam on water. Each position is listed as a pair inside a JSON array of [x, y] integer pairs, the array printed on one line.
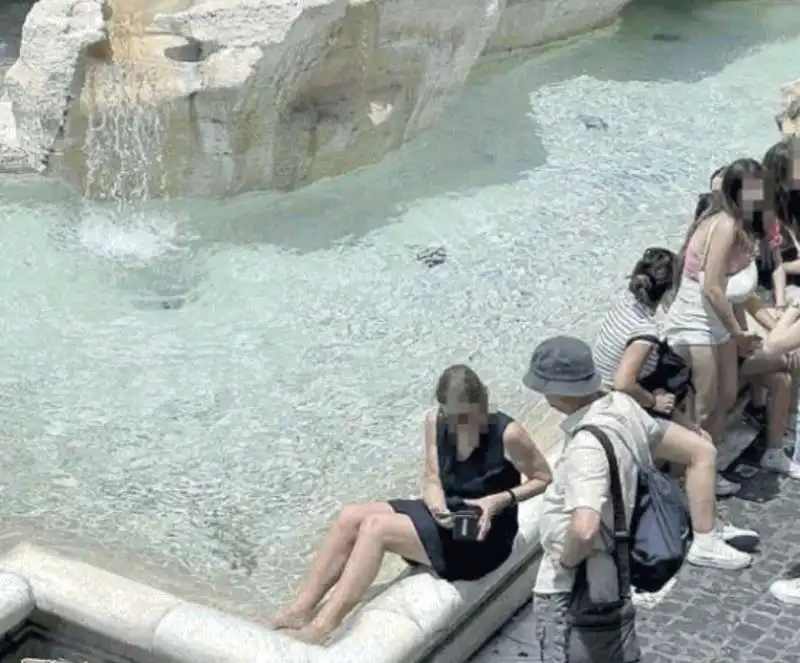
[[221, 436]]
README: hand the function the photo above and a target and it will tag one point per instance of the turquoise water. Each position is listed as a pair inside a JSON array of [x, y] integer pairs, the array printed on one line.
[[194, 388]]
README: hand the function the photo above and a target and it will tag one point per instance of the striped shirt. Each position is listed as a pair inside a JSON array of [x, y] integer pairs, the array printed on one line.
[[626, 320]]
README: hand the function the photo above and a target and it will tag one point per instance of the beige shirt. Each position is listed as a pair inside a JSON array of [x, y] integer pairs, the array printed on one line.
[[581, 480]]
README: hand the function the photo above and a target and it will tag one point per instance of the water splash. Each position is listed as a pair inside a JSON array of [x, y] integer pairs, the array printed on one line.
[[136, 237]]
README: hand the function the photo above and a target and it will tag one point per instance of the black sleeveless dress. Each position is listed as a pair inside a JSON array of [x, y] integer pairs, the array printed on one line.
[[485, 472]]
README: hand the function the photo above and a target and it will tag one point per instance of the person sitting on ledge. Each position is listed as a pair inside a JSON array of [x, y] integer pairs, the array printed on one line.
[[632, 357], [474, 459]]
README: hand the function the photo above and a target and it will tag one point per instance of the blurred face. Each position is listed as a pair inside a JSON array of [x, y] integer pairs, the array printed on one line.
[[753, 203], [752, 194], [465, 419], [561, 404]]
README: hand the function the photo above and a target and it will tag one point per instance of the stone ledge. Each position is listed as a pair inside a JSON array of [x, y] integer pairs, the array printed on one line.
[[16, 601]]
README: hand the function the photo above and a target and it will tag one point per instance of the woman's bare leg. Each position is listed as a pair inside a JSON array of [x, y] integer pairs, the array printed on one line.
[[329, 563], [761, 363], [779, 392], [379, 533], [703, 360], [709, 413], [727, 384], [785, 336]]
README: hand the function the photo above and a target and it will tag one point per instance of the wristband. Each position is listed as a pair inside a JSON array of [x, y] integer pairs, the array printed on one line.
[[513, 497]]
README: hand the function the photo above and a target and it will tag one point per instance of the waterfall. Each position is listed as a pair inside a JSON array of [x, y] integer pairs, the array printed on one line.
[[122, 105], [121, 161]]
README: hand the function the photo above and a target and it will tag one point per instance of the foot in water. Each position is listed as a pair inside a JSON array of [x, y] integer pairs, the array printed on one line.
[[288, 619]]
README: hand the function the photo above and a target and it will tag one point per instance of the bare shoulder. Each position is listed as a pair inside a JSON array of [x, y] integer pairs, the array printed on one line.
[[721, 222], [516, 434]]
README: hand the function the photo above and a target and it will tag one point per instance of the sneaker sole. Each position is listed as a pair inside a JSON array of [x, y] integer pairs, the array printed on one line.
[[743, 541], [788, 600], [721, 564], [727, 492], [778, 471]]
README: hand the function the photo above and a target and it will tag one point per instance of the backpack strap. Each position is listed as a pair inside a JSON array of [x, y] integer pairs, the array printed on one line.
[[622, 538], [649, 338]]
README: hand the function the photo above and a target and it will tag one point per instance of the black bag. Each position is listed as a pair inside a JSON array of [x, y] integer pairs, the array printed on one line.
[[605, 633], [672, 373], [661, 530]]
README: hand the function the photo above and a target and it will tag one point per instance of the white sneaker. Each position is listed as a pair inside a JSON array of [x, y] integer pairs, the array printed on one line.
[[725, 488], [711, 550], [738, 537], [774, 460], [787, 591]]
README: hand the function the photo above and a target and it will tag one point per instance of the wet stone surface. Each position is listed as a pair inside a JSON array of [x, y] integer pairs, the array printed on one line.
[[709, 615]]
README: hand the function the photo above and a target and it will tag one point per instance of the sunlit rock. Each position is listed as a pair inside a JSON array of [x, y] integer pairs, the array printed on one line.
[[143, 98], [788, 118]]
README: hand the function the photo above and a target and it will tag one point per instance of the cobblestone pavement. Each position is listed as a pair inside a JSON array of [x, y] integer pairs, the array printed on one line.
[[711, 616]]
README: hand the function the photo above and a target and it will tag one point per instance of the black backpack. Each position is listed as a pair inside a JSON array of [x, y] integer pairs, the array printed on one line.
[[661, 528], [672, 373]]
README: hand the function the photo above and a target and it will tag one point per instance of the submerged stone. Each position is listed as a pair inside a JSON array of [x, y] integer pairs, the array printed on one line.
[[432, 256], [665, 36], [593, 122]]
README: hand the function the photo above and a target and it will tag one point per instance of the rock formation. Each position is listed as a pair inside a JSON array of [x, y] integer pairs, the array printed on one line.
[[142, 98], [788, 118]]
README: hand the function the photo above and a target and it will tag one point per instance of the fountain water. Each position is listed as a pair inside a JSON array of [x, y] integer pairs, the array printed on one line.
[[216, 439]]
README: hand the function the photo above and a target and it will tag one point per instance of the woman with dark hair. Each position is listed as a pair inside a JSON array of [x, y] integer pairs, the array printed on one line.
[[704, 200], [629, 350], [769, 369], [779, 270], [474, 459], [632, 357], [718, 273]]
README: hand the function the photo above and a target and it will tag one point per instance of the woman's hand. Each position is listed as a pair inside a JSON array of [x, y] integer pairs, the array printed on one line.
[[443, 517], [490, 506], [747, 343], [793, 361], [663, 402]]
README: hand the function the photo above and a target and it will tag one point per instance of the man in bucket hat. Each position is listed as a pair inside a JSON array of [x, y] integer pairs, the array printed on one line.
[[577, 512]]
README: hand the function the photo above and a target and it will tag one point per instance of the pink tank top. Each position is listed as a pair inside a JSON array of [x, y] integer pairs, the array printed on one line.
[[740, 256]]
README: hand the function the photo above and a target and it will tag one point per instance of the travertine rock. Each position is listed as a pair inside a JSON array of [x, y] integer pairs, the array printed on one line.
[[217, 97], [788, 118]]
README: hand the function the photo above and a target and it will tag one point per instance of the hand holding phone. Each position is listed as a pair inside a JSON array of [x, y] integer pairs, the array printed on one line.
[[443, 518]]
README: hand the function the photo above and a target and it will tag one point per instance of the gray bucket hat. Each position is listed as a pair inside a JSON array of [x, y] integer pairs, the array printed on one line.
[[562, 366]]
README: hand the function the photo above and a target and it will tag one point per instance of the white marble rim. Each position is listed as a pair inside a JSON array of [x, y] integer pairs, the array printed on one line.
[[162, 625]]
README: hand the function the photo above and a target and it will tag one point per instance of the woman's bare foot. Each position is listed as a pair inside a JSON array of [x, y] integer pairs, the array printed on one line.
[[288, 618], [312, 634]]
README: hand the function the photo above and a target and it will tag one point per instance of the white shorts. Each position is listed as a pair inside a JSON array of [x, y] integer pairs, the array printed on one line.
[[691, 319]]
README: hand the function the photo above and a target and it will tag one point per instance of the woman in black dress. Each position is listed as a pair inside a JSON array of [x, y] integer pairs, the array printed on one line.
[[474, 458]]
